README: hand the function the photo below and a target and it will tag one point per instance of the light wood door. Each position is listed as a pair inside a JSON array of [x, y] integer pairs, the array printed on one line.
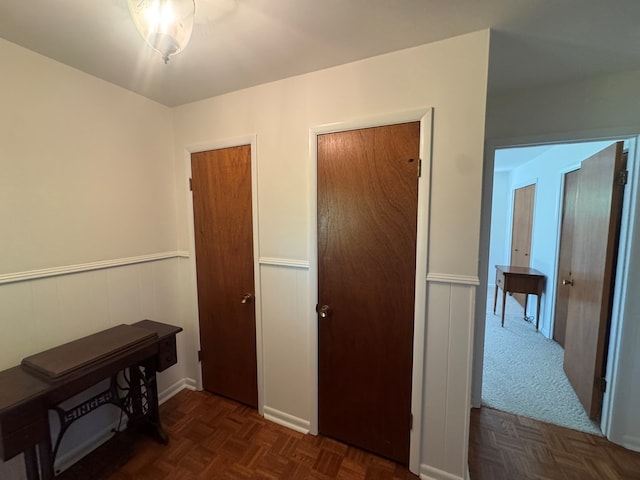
[[564, 278], [595, 243], [367, 220], [521, 230], [224, 262]]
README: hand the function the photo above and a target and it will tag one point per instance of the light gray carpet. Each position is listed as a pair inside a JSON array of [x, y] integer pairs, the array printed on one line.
[[523, 371]]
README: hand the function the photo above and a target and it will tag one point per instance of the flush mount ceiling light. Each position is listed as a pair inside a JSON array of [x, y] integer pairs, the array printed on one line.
[[166, 25]]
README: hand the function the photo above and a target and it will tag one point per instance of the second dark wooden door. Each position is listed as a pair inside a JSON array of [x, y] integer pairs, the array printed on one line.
[[224, 262], [367, 217]]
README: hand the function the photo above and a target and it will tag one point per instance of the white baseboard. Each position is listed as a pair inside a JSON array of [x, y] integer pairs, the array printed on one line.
[[430, 473], [67, 459], [631, 443], [286, 420], [185, 383]]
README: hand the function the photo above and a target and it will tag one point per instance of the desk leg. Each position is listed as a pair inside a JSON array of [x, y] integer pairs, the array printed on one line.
[[504, 300], [538, 312], [154, 407], [31, 464], [147, 413], [526, 301], [495, 299], [46, 459]]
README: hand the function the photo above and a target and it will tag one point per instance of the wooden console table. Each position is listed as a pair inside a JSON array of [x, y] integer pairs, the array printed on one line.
[[518, 280], [46, 379]]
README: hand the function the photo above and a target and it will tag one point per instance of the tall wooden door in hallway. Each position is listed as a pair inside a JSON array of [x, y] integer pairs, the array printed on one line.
[[367, 219], [224, 261], [593, 264]]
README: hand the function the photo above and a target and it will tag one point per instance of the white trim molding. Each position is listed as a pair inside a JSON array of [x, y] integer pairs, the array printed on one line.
[[252, 141], [631, 442], [286, 420], [431, 473], [453, 279], [284, 262], [87, 267], [425, 117], [183, 384]]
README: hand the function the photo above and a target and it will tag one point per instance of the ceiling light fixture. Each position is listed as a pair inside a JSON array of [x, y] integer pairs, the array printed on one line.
[[166, 25]]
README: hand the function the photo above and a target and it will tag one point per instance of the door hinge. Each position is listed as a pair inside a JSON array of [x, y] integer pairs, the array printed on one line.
[[191, 184], [623, 177], [419, 167], [199, 355], [602, 384]]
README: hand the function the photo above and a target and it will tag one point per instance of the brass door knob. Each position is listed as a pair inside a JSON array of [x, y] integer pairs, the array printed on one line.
[[324, 311]]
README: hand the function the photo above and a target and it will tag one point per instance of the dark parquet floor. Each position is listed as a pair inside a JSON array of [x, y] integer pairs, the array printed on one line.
[[503, 446], [215, 438]]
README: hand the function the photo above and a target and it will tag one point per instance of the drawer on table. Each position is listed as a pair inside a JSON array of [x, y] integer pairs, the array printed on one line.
[[167, 354], [524, 284], [22, 427]]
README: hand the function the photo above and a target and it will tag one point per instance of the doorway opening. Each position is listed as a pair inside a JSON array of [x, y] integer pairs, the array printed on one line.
[[520, 365]]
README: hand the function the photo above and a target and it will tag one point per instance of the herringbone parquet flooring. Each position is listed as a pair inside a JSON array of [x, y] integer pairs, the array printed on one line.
[[503, 446], [214, 438]]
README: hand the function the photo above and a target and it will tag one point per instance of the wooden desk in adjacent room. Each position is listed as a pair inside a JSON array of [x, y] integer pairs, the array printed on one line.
[[518, 280]]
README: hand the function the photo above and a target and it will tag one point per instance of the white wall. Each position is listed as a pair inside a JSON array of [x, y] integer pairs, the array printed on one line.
[[87, 182], [449, 76], [601, 107], [500, 230], [86, 169]]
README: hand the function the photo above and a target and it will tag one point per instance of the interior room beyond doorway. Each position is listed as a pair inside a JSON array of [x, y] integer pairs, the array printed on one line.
[[545, 168]]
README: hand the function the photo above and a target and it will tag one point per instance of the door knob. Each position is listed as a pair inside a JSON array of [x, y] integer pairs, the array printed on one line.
[[324, 311], [568, 282], [246, 298]]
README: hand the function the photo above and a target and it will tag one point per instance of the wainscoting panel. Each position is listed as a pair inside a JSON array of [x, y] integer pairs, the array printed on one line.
[[450, 306], [37, 313], [286, 317]]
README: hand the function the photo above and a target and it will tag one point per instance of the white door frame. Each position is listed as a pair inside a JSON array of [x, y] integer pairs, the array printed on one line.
[[629, 213], [216, 145], [425, 116]]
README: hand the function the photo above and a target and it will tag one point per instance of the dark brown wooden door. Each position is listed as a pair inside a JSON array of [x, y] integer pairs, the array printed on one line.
[[595, 244], [224, 262], [367, 220], [563, 286], [521, 231]]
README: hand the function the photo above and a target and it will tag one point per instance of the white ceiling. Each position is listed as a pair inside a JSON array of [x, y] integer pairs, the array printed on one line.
[[241, 43], [506, 159]]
